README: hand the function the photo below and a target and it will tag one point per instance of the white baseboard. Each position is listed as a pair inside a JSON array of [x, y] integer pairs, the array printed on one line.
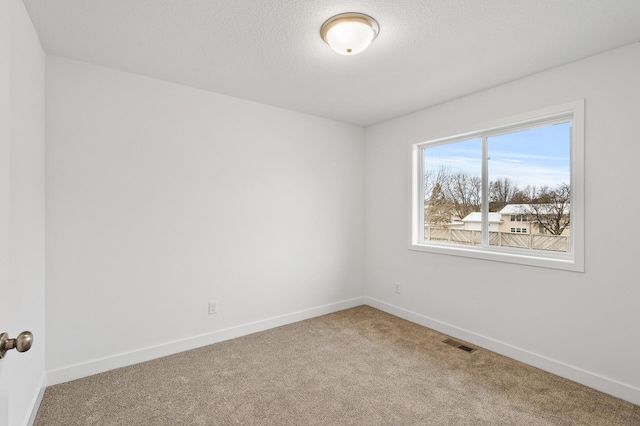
[[592, 380], [129, 358]]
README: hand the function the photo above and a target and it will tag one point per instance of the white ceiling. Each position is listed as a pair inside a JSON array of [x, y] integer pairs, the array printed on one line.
[[270, 51]]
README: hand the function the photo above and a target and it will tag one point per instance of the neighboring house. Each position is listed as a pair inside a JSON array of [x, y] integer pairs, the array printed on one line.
[[517, 218], [513, 219], [473, 222]]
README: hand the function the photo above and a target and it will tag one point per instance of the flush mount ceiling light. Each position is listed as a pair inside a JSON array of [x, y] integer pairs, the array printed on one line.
[[349, 33]]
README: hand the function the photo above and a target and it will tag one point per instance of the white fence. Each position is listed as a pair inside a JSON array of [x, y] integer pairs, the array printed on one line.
[[503, 239]]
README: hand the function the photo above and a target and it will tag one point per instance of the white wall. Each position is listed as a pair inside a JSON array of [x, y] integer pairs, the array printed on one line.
[[162, 197], [580, 325], [21, 210]]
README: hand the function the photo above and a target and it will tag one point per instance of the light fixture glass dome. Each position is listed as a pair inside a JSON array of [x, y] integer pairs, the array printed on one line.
[[349, 33]]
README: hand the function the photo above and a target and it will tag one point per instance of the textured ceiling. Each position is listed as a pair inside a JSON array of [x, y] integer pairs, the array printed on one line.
[[270, 51]]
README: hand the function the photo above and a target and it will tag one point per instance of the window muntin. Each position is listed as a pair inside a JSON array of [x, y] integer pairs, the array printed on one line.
[[547, 148]]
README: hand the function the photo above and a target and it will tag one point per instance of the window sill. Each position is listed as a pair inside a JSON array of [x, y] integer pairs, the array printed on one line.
[[563, 261]]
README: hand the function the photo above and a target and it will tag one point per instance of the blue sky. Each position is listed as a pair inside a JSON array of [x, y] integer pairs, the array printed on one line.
[[536, 157]]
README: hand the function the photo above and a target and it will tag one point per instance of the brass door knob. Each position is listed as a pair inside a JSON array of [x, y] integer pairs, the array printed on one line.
[[22, 343]]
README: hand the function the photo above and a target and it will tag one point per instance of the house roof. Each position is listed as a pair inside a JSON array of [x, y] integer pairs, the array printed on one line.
[[515, 209], [525, 208], [477, 217]]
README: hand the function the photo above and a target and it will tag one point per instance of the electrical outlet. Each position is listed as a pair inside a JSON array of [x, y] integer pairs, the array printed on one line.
[[213, 307], [398, 288]]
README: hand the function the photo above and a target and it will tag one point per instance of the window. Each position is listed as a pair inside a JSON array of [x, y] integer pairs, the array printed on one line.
[[470, 189]]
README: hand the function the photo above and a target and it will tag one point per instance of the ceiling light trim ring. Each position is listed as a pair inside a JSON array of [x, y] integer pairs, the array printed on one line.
[[349, 17]]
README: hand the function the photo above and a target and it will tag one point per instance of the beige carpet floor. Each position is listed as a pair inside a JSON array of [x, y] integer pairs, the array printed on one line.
[[360, 366]]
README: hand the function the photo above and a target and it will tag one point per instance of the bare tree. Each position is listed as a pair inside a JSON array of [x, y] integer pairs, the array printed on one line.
[[501, 192], [448, 194], [527, 195], [433, 178], [438, 207], [436, 202], [465, 193], [550, 208]]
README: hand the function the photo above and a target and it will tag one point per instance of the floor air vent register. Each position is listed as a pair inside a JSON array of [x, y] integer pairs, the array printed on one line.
[[459, 345]]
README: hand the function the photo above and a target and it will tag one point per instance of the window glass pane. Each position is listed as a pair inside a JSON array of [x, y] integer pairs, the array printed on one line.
[[453, 192], [529, 182]]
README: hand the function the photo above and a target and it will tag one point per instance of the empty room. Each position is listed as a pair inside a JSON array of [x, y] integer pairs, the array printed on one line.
[[319, 212]]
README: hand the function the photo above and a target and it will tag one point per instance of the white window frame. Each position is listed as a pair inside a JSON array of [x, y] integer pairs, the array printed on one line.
[[572, 261]]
